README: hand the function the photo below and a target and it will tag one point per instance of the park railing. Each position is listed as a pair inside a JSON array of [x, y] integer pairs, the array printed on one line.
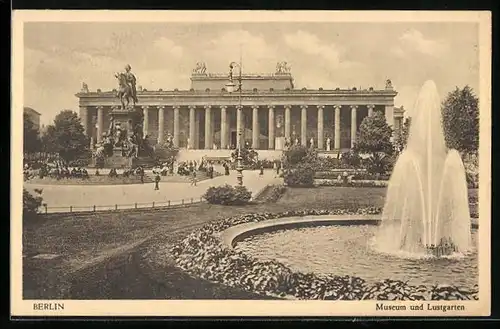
[[47, 209]]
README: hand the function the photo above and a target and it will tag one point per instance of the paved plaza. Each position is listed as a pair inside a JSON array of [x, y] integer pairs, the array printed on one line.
[[59, 198]]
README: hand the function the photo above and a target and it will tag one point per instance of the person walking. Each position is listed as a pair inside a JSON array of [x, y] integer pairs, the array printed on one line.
[[211, 171], [193, 178], [157, 181], [261, 170]]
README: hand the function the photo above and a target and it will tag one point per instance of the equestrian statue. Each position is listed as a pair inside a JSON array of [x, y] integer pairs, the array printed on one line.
[[126, 87]]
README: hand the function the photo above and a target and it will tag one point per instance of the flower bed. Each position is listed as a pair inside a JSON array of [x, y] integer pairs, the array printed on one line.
[[356, 175], [203, 254], [271, 193], [352, 183]]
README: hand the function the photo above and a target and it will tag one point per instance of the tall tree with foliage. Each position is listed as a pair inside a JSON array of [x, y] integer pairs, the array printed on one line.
[[31, 141], [31, 204], [402, 138], [66, 137], [460, 120], [300, 164], [374, 135], [374, 138]]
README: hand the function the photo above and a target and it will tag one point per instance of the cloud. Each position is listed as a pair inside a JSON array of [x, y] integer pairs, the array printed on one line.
[[311, 45], [257, 54], [413, 40], [169, 47], [397, 51]]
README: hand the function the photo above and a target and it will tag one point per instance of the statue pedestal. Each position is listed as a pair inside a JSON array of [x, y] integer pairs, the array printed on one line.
[[124, 119], [118, 161]]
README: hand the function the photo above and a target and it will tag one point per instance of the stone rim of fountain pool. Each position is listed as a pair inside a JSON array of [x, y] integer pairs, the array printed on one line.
[[231, 236], [203, 254]]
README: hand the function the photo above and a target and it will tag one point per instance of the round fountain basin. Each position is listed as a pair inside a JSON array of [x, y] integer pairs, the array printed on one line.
[[342, 245]]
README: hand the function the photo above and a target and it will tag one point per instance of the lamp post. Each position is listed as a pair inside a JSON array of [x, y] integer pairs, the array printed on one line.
[[230, 87]]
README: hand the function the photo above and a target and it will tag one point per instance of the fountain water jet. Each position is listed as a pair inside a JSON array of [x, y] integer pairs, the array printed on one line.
[[426, 209]]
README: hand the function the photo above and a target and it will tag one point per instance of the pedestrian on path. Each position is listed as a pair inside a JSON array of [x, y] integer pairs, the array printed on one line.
[[157, 181], [261, 170], [193, 178]]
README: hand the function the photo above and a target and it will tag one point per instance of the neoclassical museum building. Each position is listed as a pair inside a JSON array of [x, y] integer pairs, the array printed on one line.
[[206, 117]]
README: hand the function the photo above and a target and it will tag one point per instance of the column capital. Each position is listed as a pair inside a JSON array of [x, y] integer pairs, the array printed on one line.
[[99, 107], [208, 107], [223, 107], [337, 106], [191, 107], [271, 107], [354, 107], [370, 106], [176, 107], [145, 107], [304, 106], [255, 106], [320, 106], [287, 106], [239, 107], [160, 107]]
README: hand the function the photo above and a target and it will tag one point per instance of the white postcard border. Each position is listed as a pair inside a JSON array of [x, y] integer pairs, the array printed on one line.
[[20, 307]]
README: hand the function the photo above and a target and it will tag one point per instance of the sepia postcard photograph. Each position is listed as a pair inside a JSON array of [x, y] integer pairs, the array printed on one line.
[[251, 163]]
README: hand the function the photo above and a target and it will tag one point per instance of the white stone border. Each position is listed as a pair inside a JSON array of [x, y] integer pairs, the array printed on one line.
[[232, 235]]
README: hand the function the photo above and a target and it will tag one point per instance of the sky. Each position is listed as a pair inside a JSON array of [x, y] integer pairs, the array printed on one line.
[[59, 56]]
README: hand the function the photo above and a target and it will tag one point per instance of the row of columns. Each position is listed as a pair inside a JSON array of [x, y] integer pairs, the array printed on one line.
[[239, 124]]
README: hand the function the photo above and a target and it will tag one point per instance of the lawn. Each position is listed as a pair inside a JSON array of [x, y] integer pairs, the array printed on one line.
[[101, 253]]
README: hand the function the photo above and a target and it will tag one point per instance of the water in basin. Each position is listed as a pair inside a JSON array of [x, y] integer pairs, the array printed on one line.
[[350, 250]]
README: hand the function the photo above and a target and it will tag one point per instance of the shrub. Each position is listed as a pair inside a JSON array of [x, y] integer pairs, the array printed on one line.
[[227, 195], [301, 176], [351, 159], [166, 153], [379, 163], [298, 154], [31, 204]]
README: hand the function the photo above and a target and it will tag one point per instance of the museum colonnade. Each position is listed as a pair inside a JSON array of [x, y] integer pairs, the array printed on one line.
[[261, 127]]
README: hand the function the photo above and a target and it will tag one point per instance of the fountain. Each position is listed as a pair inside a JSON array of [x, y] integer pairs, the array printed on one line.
[[426, 209]]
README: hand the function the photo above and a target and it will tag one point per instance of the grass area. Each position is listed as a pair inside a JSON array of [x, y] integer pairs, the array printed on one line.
[[92, 248]]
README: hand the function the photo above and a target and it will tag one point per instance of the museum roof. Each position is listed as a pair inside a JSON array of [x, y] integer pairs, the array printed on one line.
[[246, 92]]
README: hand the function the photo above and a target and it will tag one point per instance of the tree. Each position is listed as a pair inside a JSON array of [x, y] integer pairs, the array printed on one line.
[[298, 154], [31, 204], [65, 137], [460, 120], [402, 139], [248, 156], [31, 136], [374, 135]]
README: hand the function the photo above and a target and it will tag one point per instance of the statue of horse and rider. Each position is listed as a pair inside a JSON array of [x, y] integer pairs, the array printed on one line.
[[126, 87]]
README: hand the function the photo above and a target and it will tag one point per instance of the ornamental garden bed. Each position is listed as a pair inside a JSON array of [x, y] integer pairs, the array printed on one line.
[[91, 180], [350, 183], [203, 254]]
